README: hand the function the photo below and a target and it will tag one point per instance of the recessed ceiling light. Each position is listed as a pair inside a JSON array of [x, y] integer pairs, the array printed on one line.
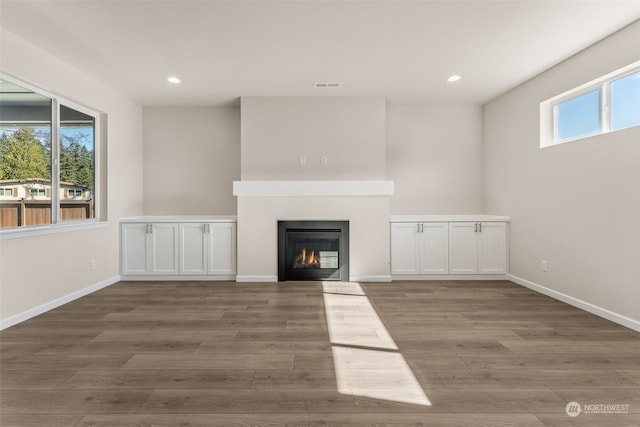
[[454, 78], [173, 80]]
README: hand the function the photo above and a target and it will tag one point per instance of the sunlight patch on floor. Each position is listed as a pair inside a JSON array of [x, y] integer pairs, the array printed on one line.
[[352, 320], [376, 374], [365, 357]]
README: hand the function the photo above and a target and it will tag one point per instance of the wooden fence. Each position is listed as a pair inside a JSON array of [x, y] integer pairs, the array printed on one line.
[[24, 213]]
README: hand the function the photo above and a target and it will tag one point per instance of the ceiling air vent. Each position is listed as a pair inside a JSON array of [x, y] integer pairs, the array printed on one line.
[[323, 85]]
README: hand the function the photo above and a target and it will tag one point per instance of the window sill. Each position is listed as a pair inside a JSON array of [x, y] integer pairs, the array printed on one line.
[[18, 233]]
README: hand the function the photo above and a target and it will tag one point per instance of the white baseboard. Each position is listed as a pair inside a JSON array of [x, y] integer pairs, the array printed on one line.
[[33, 312], [594, 309], [427, 277], [181, 278], [379, 278], [256, 279]]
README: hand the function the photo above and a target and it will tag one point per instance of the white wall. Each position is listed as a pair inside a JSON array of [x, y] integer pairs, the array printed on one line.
[[434, 155], [349, 131], [37, 270], [432, 152], [191, 158], [576, 205]]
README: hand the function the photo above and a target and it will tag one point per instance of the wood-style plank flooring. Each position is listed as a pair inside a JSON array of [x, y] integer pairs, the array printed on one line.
[[312, 354]]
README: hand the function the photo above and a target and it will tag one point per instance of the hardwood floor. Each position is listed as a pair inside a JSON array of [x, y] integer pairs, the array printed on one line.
[[308, 354]]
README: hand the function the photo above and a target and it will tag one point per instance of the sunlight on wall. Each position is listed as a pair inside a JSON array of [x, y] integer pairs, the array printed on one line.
[[365, 357]]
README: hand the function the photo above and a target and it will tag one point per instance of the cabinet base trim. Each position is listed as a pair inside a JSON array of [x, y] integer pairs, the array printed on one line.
[[427, 277], [256, 278], [36, 311], [586, 306], [181, 278]]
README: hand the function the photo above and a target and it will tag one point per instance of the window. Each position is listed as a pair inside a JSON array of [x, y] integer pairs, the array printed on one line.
[[6, 192], [578, 117], [47, 145], [607, 104], [38, 192], [625, 101]]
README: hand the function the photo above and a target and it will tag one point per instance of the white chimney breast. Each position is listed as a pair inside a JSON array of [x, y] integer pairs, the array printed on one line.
[[277, 132], [286, 144]]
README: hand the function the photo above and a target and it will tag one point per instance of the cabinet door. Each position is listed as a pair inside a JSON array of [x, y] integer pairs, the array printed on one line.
[[164, 248], [434, 248], [463, 252], [492, 248], [193, 248], [134, 251], [222, 248], [404, 248]]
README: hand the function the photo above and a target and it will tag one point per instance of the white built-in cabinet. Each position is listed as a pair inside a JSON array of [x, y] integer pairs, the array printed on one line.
[[149, 249], [419, 248], [477, 248], [207, 248], [157, 247], [448, 245]]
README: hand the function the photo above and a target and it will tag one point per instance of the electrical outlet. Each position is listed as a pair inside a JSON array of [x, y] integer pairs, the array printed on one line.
[[324, 161], [92, 264], [544, 266], [302, 160]]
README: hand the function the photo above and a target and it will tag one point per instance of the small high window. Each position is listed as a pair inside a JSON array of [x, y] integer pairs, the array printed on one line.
[[604, 105], [578, 117], [625, 101]]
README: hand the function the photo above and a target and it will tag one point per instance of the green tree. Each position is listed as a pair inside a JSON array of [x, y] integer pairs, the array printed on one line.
[[22, 156], [85, 169], [76, 161], [67, 164]]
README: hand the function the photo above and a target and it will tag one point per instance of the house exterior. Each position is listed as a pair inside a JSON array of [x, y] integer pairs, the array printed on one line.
[[27, 202], [40, 189]]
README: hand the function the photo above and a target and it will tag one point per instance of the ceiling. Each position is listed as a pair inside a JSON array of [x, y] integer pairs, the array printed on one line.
[[222, 50]]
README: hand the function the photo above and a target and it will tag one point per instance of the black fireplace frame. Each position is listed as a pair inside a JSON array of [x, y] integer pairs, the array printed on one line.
[[342, 273]]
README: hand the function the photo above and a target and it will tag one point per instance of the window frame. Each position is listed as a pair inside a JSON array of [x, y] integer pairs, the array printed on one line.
[[57, 225], [548, 108]]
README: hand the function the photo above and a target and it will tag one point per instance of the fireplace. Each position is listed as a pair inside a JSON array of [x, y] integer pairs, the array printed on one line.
[[313, 250]]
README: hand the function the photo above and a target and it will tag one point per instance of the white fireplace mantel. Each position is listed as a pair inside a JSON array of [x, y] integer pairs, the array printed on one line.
[[301, 188]]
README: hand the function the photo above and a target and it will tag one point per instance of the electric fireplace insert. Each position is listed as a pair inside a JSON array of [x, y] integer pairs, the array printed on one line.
[[313, 250]]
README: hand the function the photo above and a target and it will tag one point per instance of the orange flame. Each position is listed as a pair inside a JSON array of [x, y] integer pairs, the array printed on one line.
[[312, 259]]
